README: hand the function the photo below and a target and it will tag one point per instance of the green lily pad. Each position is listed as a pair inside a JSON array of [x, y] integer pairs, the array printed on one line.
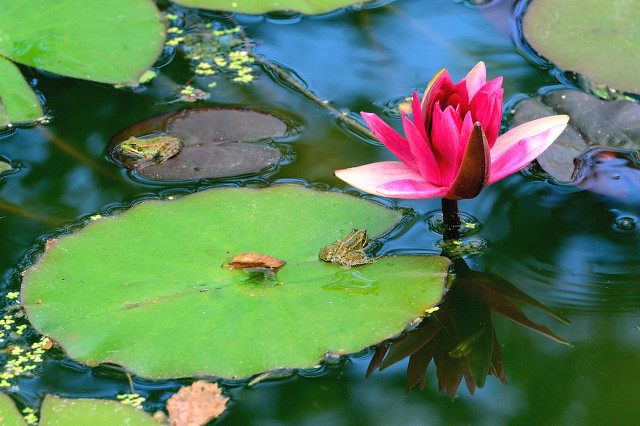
[[598, 39], [5, 166], [9, 414], [148, 289], [64, 411], [107, 41], [309, 7], [18, 103]]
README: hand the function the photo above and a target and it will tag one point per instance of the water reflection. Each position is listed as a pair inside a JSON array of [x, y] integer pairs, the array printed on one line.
[[459, 336], [579, 252]]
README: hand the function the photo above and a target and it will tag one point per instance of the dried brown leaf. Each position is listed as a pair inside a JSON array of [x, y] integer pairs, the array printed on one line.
[[255, 260], [196, 404]]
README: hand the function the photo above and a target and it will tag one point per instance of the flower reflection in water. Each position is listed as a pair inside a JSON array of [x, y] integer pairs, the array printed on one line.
[[459, 337]]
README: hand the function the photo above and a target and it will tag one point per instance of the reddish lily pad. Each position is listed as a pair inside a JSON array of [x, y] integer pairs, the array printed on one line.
[[215, 143], [168, 306], [594, 123]]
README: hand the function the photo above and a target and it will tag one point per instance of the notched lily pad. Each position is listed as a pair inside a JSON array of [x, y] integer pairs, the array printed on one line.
[[606, 125], [213, 142], [167, 308]]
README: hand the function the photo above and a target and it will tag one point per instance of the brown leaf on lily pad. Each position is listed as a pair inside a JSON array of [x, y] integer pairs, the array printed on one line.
[[613, 125], [196, 404], [215, 142], [255, 260]]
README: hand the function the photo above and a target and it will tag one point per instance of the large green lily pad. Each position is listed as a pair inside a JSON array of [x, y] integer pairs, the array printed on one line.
[[309, 7], [112, 41], [147, 289], [598, 39]]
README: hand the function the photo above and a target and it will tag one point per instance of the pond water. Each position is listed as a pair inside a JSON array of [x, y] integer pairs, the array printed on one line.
[[568, 248]]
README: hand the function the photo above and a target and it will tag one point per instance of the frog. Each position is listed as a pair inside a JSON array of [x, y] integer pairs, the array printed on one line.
[[137, 153], [348, 250]]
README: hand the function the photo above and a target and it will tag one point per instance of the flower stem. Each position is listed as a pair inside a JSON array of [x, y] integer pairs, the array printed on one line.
[[451, 219]]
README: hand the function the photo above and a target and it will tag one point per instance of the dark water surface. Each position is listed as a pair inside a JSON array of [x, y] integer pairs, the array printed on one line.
[[564, 246]]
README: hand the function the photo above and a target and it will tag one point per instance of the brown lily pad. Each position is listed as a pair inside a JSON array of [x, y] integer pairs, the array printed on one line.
[[608, 125], [216, 142]]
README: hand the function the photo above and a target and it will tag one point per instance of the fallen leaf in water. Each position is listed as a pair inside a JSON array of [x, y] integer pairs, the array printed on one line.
[[255, 260], [49, 242], [196, 404]]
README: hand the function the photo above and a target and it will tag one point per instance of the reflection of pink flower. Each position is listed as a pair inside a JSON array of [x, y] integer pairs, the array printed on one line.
[[452, 149]]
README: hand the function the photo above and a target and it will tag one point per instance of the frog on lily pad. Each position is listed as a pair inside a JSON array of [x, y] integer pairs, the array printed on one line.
[[137, 153], [349, 250]]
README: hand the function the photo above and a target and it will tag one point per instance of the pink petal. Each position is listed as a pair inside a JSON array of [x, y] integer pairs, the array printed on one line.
[[370, 176], [421, 152], [440, 83], [487, 109], [461, 90], [445, 136], [411, 189], [418, 119], [491, 86], [390, 138], [476, 78], [521, 145], [465, 133]]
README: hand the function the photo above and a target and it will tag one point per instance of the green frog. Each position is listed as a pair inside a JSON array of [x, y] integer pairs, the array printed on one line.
[[137, 153], [349, 250]]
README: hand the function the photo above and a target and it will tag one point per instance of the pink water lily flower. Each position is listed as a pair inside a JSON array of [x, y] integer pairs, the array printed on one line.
[[452, 148]]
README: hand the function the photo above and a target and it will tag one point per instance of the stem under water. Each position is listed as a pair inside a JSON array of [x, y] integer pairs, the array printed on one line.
[[451, 219]]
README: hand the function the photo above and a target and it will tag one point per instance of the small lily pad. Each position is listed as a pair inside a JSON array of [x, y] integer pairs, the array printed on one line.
[[5, 166], [18, 103], [594, 123], [170, 306], [9, 414], [66, 411], [595, 38], [309, 7], [611, 172], [215, 143]]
